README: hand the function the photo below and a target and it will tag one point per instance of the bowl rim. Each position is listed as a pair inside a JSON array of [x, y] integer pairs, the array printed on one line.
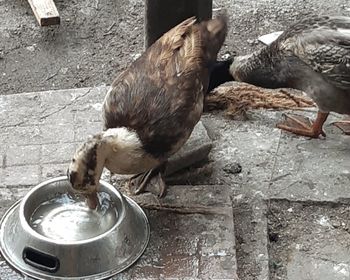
[[4, 250], [26, 227]]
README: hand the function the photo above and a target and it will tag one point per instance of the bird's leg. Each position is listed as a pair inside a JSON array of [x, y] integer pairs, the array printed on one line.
[[143, 179], [344, 125], [302, 126], [160, 183], [140, 181]]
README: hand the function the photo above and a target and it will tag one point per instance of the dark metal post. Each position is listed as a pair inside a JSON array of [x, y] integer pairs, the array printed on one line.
[[162, 15]]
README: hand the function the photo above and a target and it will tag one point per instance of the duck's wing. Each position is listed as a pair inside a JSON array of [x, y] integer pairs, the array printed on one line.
[[160, 95], [323, 43]]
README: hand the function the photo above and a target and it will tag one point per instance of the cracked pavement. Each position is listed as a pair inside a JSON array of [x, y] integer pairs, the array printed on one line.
[[267, 204]]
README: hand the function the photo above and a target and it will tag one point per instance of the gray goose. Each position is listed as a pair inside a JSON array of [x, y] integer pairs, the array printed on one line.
[[152, 108], [312, 55]]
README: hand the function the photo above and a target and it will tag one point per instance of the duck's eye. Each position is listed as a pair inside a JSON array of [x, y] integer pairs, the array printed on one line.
[[73, 160]]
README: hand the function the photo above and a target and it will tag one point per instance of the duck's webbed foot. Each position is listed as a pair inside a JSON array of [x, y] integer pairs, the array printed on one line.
[[139, 183], [303, 126], [344, 125]]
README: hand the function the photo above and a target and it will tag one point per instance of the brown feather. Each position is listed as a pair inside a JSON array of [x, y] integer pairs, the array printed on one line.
[[160, 96]]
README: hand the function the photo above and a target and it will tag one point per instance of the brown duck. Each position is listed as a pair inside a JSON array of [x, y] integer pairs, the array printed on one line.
[[152, 107], [312, 55]]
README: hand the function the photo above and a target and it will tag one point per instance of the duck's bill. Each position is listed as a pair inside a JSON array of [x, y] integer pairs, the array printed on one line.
[[92, 200], [90, 193]]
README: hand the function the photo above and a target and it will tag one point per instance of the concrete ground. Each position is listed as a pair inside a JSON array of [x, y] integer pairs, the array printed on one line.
[[192, 235], [267, 205]]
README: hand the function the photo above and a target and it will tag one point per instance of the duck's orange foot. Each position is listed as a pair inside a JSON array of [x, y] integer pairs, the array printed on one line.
[[301, 126], [344, 126]]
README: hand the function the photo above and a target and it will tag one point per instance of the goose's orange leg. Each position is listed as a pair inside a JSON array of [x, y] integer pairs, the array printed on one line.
[[302, 126]]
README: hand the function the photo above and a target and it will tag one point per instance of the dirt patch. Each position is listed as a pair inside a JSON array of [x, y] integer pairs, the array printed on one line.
[[95, 40], [99, 38]]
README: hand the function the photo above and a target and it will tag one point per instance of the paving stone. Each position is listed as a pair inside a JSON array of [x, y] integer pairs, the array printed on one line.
[[84, 130], [21, 110], [2, 160], [68, 97], [4, 139], [176, 267], [89, 112], [60, 97], [199, 195], [179, 244], [183, 244], [89, 96], [252, 145], [195, 150], [23, 155], [88, 117], [217, 267], [57, 133], [54, 170], [2, 177], [312, 169], [176, 248], [24, 135], [305, 266], [8, 273], [310, 240], [57, 153], [58, 115], [273, 164], [26, 175], [11, 195]]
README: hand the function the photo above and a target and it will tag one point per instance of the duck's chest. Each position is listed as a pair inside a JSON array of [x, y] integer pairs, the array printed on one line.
[[332, 100], [131, 163]]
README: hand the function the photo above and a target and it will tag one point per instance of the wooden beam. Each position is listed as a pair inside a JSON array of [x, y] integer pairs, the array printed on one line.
[[45, 12]]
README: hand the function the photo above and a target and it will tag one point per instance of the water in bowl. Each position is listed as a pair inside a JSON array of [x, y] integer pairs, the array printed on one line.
[[68, 218]]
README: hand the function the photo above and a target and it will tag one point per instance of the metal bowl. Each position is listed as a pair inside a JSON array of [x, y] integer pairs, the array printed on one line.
[[53, 234]]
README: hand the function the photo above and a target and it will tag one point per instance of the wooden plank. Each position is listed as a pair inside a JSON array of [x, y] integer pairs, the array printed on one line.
[[45, 12]]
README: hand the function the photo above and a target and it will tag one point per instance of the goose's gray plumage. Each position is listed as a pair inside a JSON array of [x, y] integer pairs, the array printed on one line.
[[312, 55]]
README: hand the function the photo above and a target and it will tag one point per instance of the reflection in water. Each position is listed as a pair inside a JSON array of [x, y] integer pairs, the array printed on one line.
[[68, 218]]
